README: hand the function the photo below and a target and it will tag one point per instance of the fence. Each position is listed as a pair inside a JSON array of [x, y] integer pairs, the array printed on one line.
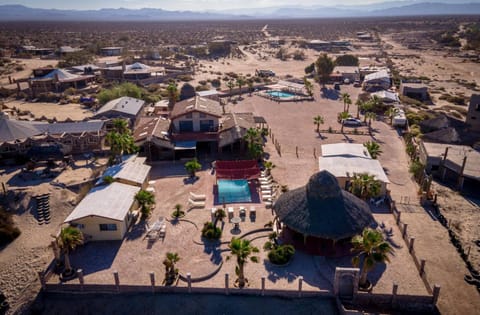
[[420, 263]]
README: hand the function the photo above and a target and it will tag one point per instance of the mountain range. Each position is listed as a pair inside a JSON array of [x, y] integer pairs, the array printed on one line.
[[385, 9]]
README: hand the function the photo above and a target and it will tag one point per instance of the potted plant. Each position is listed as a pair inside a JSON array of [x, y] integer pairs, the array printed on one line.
[[171, 273], [178, 213], [278, 254]]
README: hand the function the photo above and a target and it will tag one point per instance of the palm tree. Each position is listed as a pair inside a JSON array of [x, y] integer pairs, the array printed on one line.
[[192, 167], [370, 116], [324, 66], [365, 186], [172, 94], [342, 116], [376, 102], [373, 148], [268, 166], [359, 104], [254, 140], [120, 126], [250, 86], [240, 82], [346, 100], [373, 248], [318, 120], [230, 86], [308, 86], [219, 216], [170, 271], [70, 237], [391, 112], [145, 199], [177, 213], [243, 250]]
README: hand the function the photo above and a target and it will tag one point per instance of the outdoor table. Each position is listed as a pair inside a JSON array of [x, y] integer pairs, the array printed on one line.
[[236, 221]]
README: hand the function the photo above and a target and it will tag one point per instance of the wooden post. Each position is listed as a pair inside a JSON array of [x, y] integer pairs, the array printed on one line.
[[315, 153], [226, 283], [300, 282], [436, 293], [152, 281], [296, 151], [394, 292], [398, 217], [189, 282], [468, 251], [422, 266], [410, 246], [117, 280], [405, 226], [41, 277], [80, 278], [263, 285]]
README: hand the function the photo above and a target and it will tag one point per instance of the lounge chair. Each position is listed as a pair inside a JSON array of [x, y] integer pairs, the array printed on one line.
[[196, 204], [197, 197], [150, 189], [253, 211], [213, 211], [266, 187]]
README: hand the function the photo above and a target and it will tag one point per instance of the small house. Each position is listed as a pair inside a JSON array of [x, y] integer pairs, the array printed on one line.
[[111, 51], [351, 74], [343, 160], [106, 212], [416, 90], [376, 81], [124, 107]]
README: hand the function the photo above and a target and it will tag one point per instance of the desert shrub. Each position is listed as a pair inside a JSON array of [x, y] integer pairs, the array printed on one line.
[[202, 82], [199, 88], [48, 97], [415, 118], [282, 54], [124, 89], [409, 101], [209, 231], [216, 83], [346, 60], [457, 100], [185, 77], [75, 59], [19, 68], [299, 55], [8, 230], [70, 91], [310, 68], [281, 254]]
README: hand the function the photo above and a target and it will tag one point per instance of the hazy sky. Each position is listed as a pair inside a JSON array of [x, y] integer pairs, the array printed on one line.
[[196, 5]]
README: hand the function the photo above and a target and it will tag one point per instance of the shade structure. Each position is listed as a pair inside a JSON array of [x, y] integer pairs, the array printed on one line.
[[247, 169], [323, 210]]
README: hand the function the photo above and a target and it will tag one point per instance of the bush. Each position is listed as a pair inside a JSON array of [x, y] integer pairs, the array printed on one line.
[[281, 254], [211, 232], [124, 89], [8, 230], [347, 60]]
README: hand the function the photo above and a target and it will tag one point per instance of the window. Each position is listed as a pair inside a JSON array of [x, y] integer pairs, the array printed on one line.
[[186, 126], [203, 115], [79, 226], [92, 140], [206, 125], [189, 116], [108, 227]]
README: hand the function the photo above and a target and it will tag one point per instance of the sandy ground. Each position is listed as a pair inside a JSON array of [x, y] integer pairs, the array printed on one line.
[[29, 253], [51, 110], [28, 65]]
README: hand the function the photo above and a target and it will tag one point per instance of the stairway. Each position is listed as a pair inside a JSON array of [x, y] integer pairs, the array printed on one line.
[[43, 208]]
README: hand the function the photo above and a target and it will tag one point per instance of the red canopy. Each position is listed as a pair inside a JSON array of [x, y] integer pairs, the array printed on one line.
[[237, 169]]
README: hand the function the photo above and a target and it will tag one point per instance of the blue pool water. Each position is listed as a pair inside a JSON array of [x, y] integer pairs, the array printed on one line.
[[280, 94], [232, 191]]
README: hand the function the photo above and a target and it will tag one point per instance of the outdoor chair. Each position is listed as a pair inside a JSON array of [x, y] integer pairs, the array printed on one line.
[[230, 213], [196, 204], [213, 212], [197, 197]]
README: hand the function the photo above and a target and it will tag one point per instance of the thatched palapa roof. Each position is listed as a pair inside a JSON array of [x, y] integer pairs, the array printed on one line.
[[322, 209]]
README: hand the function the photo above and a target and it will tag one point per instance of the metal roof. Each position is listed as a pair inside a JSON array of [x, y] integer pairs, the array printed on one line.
[[199, 104], [345, 149], [133, 169], [382, 75], [126, 105], [347, 166], [111, 201]]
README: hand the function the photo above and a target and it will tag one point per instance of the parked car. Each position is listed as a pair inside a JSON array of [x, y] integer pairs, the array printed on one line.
[[352, 122], [336, 86], [357, 84]]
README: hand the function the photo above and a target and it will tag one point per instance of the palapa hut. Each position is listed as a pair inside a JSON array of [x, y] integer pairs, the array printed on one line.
[[321, 218]]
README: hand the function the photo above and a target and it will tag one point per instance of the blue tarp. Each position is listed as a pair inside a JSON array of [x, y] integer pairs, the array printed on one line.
[[186, 145]]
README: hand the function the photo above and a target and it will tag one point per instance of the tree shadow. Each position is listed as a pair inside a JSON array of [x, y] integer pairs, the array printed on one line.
[[137, 231], [329, 93]]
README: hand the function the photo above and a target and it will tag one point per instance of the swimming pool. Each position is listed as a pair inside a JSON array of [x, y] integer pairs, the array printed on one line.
[[280, 94], [232, 191]]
